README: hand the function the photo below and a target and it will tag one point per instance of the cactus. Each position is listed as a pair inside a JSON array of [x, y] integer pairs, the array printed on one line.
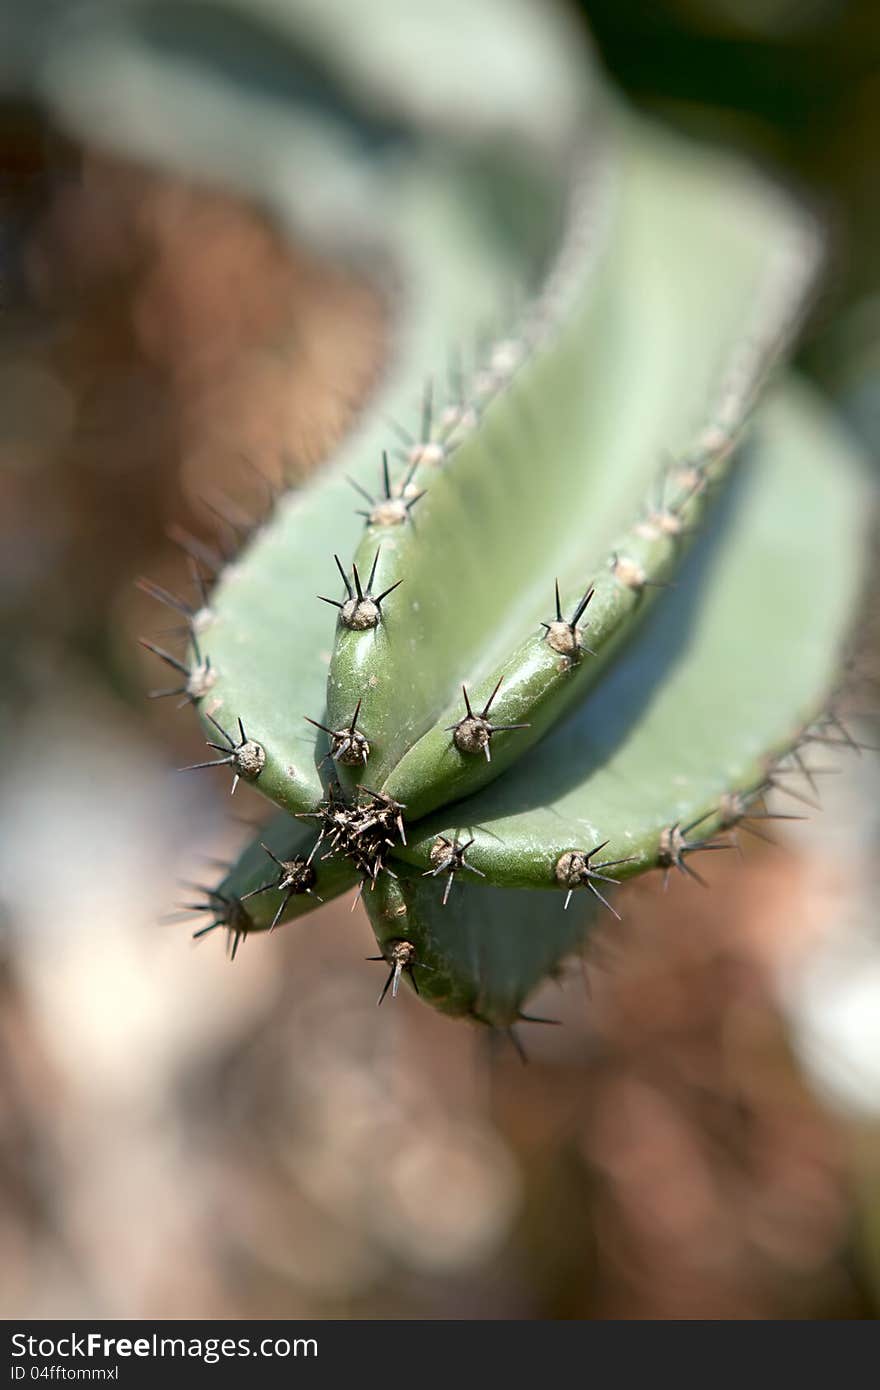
[[584, 587]]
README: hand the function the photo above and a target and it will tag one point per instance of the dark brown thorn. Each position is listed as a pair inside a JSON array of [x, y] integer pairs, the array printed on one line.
[[488, 705], [393, 972], [849, 742], [535, 1018], [517, 1045], [409, 475], [357, 583], [603, 878], [255, 892], [363, 492], [323, 727], [335, 602], [581, 609], [814, 771], [345, 581], [559, 617], [198, 580], [467, 703], [686, 829], [503, 728], [195, 549], [379, 598], [216, 762], [744, 824], [233, 514], [686, 868], [372, 577], [596, 894], [402, 433], [220, 730], [169, 660], [806, 771], [203, 931], [386, 476], [161, 595], [354, 717], [237, 533], [788, 791], [610, 863], [267, 484], [833, 718], [282, 907]]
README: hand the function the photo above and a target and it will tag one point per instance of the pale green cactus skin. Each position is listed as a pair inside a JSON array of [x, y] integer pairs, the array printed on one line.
[[627, 431]]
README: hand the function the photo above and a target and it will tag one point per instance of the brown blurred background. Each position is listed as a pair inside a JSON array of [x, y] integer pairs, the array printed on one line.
[[182, 1137]]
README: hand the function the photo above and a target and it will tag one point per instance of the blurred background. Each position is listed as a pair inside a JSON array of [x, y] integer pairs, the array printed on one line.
[[185, 1137]]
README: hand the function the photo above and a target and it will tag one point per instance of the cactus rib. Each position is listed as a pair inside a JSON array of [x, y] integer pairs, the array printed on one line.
[[648, 759]]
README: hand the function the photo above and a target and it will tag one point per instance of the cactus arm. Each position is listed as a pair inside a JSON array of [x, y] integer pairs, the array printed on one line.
[[249, 889], [400, 669], [482, 960], [738, 660]]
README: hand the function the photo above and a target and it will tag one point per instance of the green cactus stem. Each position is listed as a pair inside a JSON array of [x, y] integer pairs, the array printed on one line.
[[588, 557]]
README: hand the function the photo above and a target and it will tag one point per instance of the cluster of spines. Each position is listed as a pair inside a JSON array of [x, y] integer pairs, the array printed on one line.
[[245, 756], [402, 959], [449, 857], [365, 828], [472, 733], [361, 610], [227, 912], [295, 875]]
